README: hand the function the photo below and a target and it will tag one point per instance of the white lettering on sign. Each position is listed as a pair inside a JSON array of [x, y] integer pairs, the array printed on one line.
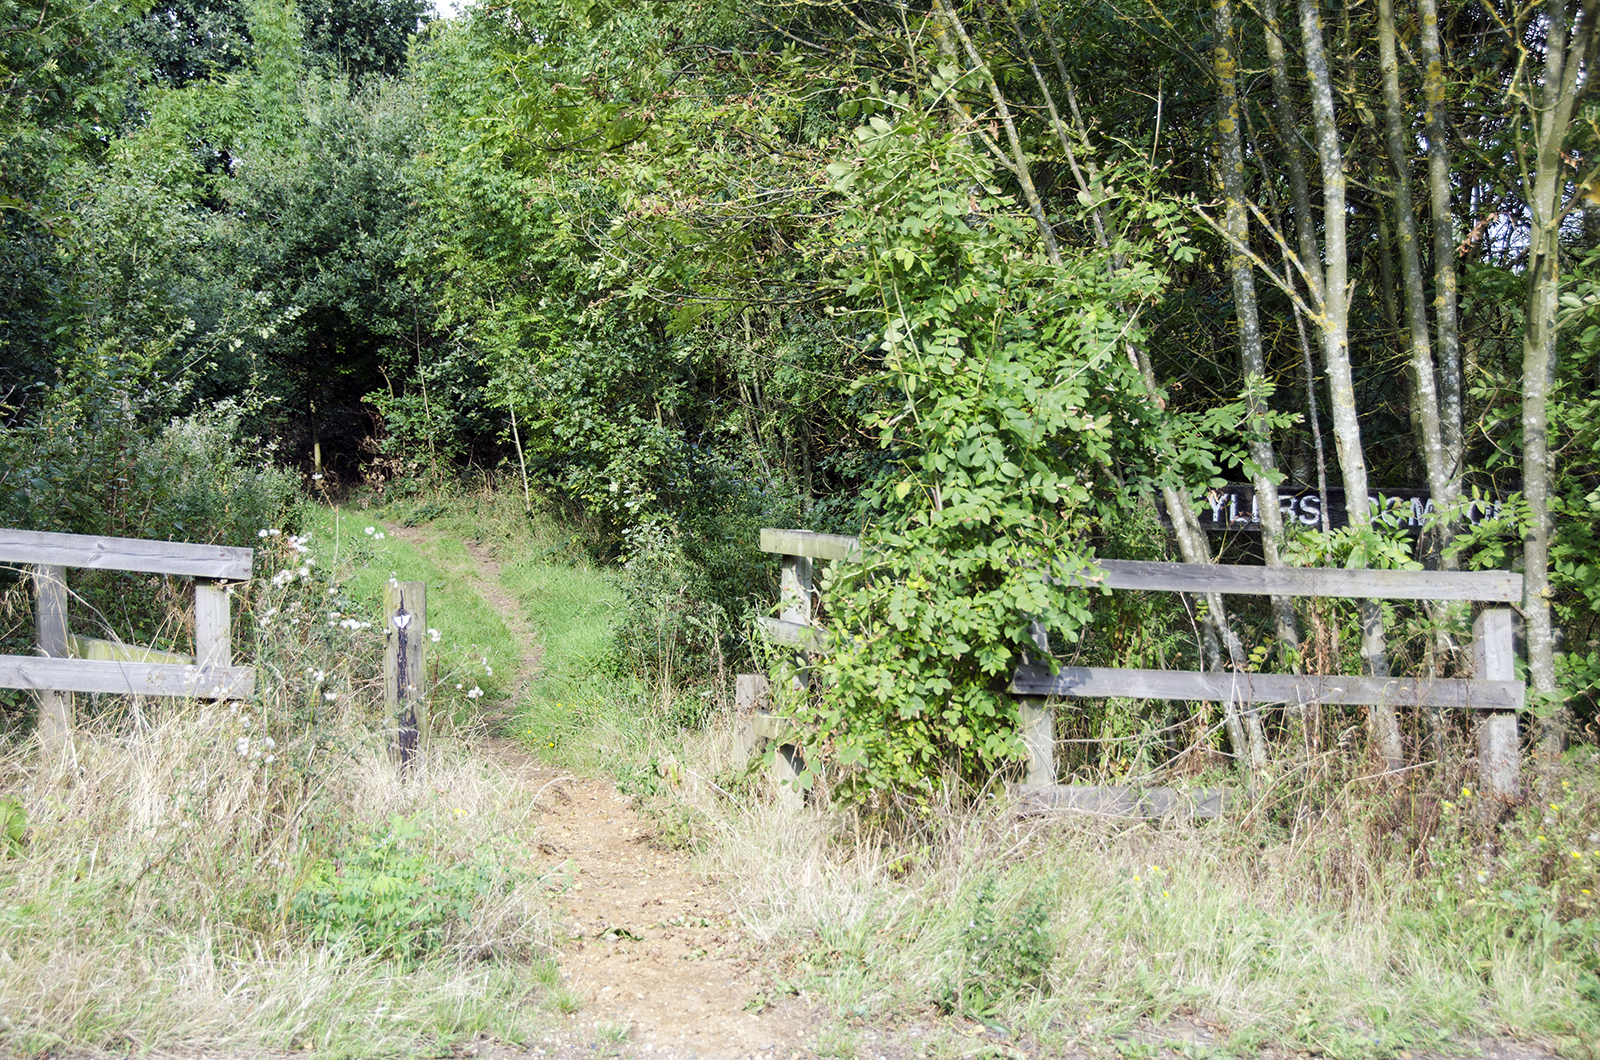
[[1236, 507]]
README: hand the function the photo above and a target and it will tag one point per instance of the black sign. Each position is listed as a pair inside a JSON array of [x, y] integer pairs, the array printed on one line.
[[1234, 507]]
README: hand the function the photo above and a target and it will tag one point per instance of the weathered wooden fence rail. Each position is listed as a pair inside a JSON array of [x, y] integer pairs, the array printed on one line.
[[67, 663], [1494, 691]]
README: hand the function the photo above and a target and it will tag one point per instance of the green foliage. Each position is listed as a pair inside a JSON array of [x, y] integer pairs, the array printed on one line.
[[59, 93], [13, 826], [98, 456], [1006, 950], [391, 898], [1004, 396], [1495, 543], [1534, 876]]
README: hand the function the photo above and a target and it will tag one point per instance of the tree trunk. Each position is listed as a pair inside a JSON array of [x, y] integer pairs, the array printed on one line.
[[1335, 325], [1252, 360], [1568, 52], [1425, 401], [1446, 324], [1018, 163]]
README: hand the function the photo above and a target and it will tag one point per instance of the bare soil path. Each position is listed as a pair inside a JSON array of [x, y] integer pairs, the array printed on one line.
[[652, 950]]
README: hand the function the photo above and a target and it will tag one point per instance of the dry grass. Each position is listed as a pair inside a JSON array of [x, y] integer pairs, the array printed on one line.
[[152, 906], [1314, 936]]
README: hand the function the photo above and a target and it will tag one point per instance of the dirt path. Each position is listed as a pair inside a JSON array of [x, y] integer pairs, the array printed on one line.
[[653, 952]]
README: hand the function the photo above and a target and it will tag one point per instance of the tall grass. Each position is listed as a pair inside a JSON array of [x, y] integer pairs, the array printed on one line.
[[185, 884], [154, 905], [1319, 934]]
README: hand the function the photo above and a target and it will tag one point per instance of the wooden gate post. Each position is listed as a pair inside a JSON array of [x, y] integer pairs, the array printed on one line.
[[749, 699], [1499, 753], [405, 661], [50, 615], [213, 625], [1037, 722], [787, 762]]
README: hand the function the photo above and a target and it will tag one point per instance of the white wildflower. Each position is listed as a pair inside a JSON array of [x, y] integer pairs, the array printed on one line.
[[242, 745]]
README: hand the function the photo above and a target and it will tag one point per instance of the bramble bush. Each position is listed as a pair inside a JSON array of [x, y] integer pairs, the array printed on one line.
[[1006, 393], [392, 897]]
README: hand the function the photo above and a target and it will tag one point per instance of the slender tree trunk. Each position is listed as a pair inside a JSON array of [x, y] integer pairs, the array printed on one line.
[[1288, 122], [1336, 349], [1245, 731], [1568, 53], [1446, 324], [1018, 165], [1425, 406], [1059, 127], [1252, 359]]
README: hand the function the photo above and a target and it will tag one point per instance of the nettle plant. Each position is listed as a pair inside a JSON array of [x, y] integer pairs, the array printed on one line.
[[1007, 399]]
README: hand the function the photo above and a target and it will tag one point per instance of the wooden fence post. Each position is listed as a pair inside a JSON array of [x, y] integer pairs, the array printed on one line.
[[1037, 722], [749, 698], [405, 660], [795, 596], [50, 614], [213, 625], [795, 593], [1499, 752]]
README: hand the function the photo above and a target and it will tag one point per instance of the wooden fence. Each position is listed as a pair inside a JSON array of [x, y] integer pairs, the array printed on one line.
[[1494, 692], [67, 663]]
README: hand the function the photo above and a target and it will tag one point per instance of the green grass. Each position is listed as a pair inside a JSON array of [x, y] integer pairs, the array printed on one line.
[[570, 604], [473, 638], [151, 905]]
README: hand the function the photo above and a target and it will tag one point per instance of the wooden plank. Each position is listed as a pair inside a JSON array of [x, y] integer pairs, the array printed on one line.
[[405, 666], [1037, 724], [1120, 801], [1492, 586], [50, 621], [794, 590], [809, 638], [126, 678], [1101, 682], [809, 544], [774, 727], [212, 638], [116, 651], [126, 553], [1499, 747], [787, 765], [750, 697], [1497, 586]]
